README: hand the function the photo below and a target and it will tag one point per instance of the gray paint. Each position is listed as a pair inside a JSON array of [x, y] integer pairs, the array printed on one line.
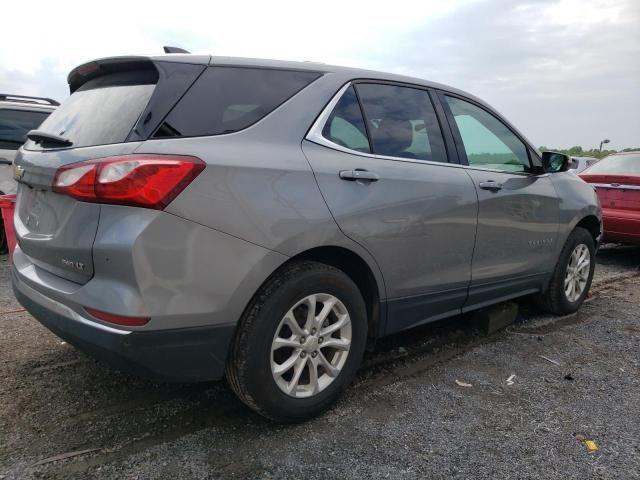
[[435, 243]]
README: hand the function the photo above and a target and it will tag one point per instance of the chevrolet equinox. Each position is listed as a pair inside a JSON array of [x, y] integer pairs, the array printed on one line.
[[192, 217]]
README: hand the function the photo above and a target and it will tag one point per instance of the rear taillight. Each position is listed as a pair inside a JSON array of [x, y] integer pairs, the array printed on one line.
[[118, 319], [150, 181]]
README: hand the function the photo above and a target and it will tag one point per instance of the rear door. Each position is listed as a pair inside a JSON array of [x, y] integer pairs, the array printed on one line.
[[384, 174], [518, 210], [55, 231]]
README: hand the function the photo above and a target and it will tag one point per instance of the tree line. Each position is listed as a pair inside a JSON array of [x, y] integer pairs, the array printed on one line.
[[578, 151]]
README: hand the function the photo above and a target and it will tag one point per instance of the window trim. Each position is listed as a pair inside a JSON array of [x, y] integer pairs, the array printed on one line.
[[534, 161], [315, 132]]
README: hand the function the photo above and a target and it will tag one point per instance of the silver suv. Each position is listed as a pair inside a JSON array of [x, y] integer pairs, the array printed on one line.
[[18, 115], [190, 217]]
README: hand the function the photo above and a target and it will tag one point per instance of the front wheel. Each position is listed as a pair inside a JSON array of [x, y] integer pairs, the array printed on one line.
[[299, 342], [572, 276]]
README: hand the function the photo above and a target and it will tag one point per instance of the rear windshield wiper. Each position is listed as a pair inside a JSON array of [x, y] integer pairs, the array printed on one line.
[[43, 137]]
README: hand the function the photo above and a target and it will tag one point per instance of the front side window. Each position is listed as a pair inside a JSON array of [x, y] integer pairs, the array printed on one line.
[[15, 124], [488, 142], [402, 122], [345, 125]]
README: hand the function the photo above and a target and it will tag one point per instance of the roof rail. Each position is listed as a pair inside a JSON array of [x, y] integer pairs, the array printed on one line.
[[28, 99]]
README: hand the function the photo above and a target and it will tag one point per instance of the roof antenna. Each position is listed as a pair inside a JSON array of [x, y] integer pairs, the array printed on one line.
[[174, 50]]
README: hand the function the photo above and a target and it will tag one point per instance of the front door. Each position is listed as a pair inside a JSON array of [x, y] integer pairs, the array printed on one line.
[[386, 180], [518, 210]]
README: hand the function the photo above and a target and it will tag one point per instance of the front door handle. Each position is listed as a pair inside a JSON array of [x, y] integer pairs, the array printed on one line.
[[491, 185], [359, 174]]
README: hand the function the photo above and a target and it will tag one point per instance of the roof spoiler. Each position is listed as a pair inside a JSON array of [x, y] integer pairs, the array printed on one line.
[[96, 68], [28, 99]]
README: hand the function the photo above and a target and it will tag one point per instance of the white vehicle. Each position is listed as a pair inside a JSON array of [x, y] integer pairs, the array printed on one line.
[[578, 164], [18, 115]]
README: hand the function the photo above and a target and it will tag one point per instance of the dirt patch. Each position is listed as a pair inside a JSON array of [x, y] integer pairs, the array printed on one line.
[[404, 417]]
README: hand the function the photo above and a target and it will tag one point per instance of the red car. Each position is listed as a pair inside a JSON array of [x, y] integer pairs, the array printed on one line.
[[616, 178]]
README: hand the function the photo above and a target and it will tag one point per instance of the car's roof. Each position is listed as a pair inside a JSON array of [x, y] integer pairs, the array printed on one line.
[[82, 73], [78, 75], [307, 65]]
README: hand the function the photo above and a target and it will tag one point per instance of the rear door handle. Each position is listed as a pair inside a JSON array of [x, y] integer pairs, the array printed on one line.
[[491, 185], [359, 174]]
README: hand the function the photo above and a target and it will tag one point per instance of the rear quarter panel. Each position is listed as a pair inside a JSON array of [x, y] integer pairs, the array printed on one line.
[[258, 185]]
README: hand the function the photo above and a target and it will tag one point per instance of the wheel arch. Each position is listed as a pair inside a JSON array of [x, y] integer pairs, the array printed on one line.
[[356, 268], [592, 224]]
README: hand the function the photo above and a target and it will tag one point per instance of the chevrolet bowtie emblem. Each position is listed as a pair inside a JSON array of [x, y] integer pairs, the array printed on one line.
[[18, 172]]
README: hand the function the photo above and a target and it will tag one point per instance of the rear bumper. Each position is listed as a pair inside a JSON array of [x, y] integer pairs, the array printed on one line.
[[180, 355]]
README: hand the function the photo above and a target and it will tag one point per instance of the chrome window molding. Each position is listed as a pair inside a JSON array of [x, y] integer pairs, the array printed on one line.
[[315, 136], [616, 186]]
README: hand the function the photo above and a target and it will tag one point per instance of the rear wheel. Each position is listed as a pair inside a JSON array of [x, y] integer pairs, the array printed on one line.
[[299, 342], [572, 276]]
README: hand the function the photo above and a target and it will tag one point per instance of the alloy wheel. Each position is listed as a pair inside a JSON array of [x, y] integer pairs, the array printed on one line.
[[311, 345], [577, 273]]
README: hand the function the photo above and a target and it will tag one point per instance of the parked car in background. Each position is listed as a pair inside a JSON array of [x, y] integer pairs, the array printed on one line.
[[578, 164], [617, 181], [181, 216], [18, 115]]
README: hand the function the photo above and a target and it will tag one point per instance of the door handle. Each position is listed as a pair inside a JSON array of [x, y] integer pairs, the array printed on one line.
[[491, 185], [359, 174]]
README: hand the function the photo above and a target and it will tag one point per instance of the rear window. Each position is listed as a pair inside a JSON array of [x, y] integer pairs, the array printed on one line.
[[14, 125], [629, 163], [103, 110], [228, 99]]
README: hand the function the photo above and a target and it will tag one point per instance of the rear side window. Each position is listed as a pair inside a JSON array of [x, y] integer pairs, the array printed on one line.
[[402, 122], [345, 125], [103, 110], [228, 99], [14, 125]]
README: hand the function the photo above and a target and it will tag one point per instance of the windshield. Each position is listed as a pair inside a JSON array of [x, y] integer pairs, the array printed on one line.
[[14, 125], [103, 110], [628, 163]]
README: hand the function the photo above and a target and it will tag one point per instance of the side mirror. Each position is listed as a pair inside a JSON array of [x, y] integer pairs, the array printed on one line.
[[554, 162], [5, 161]]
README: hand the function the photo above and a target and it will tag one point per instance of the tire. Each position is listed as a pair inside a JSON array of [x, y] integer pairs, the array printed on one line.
[[252, 368], [555, 299]]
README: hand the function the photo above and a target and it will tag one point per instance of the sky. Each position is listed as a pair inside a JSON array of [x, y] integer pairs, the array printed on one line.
[[564, 72]]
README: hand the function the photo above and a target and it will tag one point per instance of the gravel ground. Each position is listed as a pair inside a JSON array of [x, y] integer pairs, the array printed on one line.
[[404, 417]]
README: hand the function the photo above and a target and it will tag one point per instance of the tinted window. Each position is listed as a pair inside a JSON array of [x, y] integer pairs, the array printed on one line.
[[402, 122], [14, 125], [626, 163], [228, 99], [345, 125], [103, 110], [487, 141]]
